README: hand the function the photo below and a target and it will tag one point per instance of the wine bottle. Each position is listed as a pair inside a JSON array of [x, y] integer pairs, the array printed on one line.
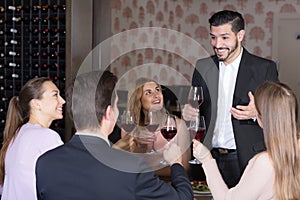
[[16, 19], [63, 7], [45, 31], [35, 31], [15, 8], [11, 64], [45, 8], [15, 42], [45, 20], [13, 53], [36, 8], [55, 66], [35, 20], [45, 66], [15, 30], [54, 7]]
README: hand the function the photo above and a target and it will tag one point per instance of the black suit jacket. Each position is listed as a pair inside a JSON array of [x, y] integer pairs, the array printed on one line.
[[87, 168], [252, 72]]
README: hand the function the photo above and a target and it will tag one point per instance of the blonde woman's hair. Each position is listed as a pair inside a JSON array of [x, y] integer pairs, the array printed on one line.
[[277, 108]]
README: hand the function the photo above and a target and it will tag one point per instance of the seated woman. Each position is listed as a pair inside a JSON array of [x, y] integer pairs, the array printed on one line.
[[147, 95], [275, 172]]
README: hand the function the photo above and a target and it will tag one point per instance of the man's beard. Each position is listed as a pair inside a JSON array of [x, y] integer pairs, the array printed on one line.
[[229, 53]]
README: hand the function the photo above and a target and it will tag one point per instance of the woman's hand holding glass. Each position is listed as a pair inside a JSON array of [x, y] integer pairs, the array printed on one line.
[[200, 151]]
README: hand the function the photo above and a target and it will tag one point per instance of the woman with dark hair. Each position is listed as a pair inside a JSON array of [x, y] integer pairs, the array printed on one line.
[[27, 136], [274, 173]]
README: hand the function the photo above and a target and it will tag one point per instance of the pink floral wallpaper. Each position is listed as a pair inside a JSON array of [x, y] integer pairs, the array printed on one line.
[[187, 17]]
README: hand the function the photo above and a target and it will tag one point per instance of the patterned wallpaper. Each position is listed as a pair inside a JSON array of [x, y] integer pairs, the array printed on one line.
[[154, 51]]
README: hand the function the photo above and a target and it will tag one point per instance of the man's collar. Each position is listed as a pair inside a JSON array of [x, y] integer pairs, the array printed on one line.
[[99, 135]]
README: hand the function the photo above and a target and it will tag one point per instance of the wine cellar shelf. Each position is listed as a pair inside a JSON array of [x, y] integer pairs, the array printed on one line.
[[32, 44]]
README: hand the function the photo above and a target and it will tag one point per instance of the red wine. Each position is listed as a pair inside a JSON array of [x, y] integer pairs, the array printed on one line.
[[152, 127], [198, 135], [168, 133], [128, 127], [195, 103]]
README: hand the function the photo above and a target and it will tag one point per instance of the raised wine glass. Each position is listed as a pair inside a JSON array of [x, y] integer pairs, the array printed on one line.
[[151, 124], [196, 97], [127, 122], [197, 130], [168, 131]]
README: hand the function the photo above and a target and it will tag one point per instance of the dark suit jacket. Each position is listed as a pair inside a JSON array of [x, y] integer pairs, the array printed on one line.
[[87, 168], [253, 71]]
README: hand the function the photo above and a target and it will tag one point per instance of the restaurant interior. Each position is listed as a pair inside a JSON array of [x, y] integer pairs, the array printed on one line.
[[157, 39]]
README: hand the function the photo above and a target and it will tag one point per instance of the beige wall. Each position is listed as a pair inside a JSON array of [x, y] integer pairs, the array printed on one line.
[[191, 18]]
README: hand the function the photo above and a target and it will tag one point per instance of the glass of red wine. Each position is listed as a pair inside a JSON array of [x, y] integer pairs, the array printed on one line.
[[127, 121], [197, 130], [151, 124], [195, 97], [168, 131]]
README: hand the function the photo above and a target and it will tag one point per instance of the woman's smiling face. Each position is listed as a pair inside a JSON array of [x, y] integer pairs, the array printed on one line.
[[152, 98]]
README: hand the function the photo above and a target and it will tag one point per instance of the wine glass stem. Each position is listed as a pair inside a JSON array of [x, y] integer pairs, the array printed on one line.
[[153, 148]]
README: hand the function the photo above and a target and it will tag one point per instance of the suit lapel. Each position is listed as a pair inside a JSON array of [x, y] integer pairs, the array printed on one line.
[[244, 77]]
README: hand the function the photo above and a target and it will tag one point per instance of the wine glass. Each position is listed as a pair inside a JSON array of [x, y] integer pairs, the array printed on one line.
[[127, 121], [195, 97], [168, 131], [151, 124], [197, 130]]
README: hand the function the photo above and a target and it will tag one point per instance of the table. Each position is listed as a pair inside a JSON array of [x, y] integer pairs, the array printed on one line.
[[202, 197]]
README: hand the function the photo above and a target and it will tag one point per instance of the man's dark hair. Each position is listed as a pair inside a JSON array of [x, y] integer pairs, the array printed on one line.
[[228, 17], [90, 96]]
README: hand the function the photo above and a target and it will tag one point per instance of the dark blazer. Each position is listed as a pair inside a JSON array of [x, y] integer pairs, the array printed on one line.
[[253, 71], [87, 168]]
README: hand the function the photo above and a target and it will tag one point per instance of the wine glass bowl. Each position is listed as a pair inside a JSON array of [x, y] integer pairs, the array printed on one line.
[[127, 122], [151, 124], [195, 96], [197, 130], [169, 131]]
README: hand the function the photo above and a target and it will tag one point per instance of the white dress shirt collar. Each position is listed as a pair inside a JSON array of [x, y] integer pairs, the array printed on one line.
[[94, 135]]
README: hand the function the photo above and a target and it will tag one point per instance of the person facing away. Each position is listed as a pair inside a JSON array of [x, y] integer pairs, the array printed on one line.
[[88, 168], [146, 95], [27, 136], [228, 79], [275, 172]]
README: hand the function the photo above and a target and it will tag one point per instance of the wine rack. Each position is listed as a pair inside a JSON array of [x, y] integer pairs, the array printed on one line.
[[32, 43]]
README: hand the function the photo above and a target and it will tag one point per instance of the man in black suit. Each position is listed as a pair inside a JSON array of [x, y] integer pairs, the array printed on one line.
[[88, 168], [229, 79]]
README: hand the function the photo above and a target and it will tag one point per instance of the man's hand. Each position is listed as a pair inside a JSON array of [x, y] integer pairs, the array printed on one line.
[[245, 112], [189, 113]]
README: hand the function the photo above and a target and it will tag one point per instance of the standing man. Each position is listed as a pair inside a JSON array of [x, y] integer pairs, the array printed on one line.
[[229, 79], [88, 168]]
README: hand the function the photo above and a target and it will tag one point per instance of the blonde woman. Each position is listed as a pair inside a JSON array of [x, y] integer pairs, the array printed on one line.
[[145, 95], [274, 173]]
